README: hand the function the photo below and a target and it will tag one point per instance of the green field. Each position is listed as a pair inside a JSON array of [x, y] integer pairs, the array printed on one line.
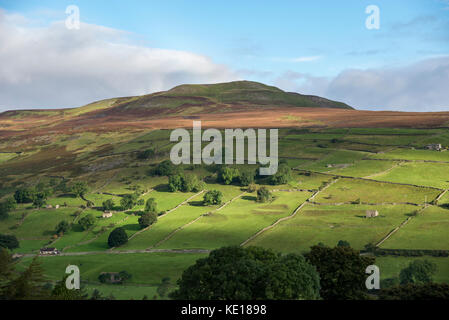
[[383, 169]]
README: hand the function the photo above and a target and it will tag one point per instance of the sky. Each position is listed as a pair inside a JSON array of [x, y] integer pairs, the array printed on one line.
[[321, 47]]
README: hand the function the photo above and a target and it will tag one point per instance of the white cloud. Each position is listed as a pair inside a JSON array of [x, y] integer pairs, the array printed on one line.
[[52, 66], [422, 86]]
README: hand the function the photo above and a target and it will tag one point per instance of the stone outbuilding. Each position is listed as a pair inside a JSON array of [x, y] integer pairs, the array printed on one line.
[[371, 213]]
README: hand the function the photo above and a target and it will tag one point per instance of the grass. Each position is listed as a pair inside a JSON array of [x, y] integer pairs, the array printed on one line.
[[390, 267], [423, 174], [145, 268], [428, 230], [236, 222], [348, 190], [329, 224]]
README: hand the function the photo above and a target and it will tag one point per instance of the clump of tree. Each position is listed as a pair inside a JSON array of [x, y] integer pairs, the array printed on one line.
[[128, 201], [79, 188], [147, 219], [60, 291], [227, 175], [213, 197], [418, 272], [263, 195], [164, 287], [146, 154], [415, 291], [151, 206], [282, 176], [342, 271], [24, 195], [62, 227], [87, 221], [246, 178], [235, 273], [165, 168], [108, 204], [8, 241], [117, 237], [6, 207], [185, 183]]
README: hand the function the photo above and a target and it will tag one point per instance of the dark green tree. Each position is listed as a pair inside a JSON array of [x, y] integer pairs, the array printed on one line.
[[165, 168], [128, 201], [117, 237], [147, 219], [343, 243], [60, 291], [418, 272], [62, 227], [246, 178], [79, 188], [151, 205], [87, 222], [24, 195], [212, 197], [9, 241], [342, 272], [414, 291], [227, 175], [282, 176], [164, 287], [108, 204], [235, 273], [175, 182], [263, 195], [146, 154], [124, 276]]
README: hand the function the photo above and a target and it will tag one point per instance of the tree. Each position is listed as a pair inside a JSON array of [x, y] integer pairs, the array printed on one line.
[[414, 291], [164, 287], [189, 183], [60, 291], [124, 276], [87, 221], [62, 227], [236, 273], [246, 178], [175, 182], [39, 200], [263, 195], [7, 273], [342, 272], [212, 197], [418, 272], [151, 205], [29, 285], [128, 201], [228, 174], [147, 219], [117, 237], [9, 241], [165, 168], [108, 204], [4, 211], [147, 154], [24, 195], [282, 176], [10, 203], [343, 243], [79, 188]]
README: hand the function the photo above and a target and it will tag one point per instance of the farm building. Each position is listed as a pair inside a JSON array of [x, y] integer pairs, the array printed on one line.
[[371, 213], [107, 214], [434, 146], [48, 251]]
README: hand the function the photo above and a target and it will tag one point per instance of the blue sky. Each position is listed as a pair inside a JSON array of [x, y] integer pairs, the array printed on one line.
[[305, 46]]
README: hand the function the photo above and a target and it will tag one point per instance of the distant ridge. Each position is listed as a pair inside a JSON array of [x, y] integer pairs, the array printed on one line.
[[189, 98]]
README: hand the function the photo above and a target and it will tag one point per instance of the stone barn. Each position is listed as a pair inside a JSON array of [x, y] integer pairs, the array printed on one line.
[[371, 213]]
